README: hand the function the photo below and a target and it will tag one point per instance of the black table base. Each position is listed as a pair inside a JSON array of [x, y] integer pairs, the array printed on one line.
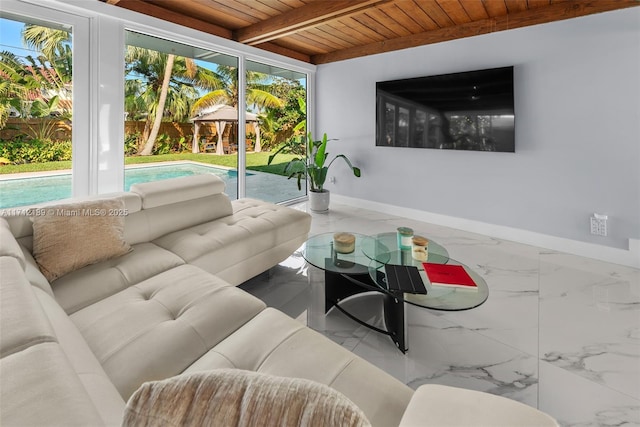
[[339, 286]]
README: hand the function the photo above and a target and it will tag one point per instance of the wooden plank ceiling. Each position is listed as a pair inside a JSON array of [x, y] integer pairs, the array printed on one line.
[[323, 31]]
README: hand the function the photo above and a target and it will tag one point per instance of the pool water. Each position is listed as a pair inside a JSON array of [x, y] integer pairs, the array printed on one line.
[[29, 191]]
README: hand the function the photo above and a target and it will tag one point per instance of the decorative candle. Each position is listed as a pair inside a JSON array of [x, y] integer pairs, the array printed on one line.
[[344, 243], [404, 237], [419, 248]]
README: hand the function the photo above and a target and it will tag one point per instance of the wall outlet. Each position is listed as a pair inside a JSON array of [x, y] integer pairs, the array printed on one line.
[[599, 224]]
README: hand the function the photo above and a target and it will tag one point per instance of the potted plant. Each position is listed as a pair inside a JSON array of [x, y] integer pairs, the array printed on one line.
[[312, 166]]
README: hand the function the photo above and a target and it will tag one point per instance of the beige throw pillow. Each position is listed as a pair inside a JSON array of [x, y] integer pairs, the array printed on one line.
[[70, 236], [238, 398]]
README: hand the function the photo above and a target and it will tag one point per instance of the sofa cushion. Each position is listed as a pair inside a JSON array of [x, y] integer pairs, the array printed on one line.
[[21, 319], [39, 388], [95, 381], [8, 244], [149, 224], [38, 385], [33, 273], [256, 228], [166, 192], [157, 328], [95, 282], [238, 398], [21, 225], [71, 236], [283, 346]]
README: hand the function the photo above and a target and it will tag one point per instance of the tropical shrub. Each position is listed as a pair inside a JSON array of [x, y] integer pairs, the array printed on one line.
[[281, 124], [166, 145], [163, 144], [131, 143], [19, 151]]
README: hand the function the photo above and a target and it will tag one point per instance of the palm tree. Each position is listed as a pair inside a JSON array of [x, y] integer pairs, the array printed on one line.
[[47, 40], [16, 86], [258, 91], [53, 67], [134, 105], [162, 99], [167, 84], [54, 76], [37, 86]]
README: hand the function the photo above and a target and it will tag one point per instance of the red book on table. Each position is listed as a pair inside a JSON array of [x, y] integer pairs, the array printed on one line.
[[448, 275]]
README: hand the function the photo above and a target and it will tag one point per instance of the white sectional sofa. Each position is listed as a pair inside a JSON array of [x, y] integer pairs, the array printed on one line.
[[74, 349]]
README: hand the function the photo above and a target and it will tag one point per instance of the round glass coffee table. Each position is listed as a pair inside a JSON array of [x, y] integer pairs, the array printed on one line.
[[365, 269]]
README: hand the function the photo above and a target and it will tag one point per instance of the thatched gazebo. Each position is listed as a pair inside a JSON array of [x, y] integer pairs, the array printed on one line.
[[221, 115]]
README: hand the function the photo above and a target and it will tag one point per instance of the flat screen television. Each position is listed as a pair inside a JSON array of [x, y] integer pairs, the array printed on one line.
[[461, 111]]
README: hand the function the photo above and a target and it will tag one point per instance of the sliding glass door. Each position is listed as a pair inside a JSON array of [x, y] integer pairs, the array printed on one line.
[[180, 111], [276, 119], [183, 117]]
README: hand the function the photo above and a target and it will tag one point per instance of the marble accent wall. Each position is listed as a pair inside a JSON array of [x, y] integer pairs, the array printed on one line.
[[558, 332]]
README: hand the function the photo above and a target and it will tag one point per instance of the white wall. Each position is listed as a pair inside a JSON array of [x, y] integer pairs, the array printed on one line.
[[577, 90]]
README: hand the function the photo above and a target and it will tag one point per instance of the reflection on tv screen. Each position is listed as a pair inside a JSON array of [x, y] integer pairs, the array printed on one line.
[[462, 111]]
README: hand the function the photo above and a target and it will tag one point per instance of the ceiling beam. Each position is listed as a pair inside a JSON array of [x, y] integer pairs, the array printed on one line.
[[540, 15], [280, 50], [166, 15], [301, 18]]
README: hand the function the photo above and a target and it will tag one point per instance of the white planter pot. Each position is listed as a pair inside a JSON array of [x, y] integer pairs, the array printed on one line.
[[319, 201]]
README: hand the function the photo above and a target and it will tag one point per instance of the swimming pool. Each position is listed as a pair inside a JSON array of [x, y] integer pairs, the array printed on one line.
[[29, 191]]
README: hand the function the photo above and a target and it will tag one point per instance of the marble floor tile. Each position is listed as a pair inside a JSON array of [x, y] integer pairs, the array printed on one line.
[[576, 401], [590, 324], [558, 332]]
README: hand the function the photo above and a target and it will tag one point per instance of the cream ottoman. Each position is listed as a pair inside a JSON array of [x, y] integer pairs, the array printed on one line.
[[442, 406]]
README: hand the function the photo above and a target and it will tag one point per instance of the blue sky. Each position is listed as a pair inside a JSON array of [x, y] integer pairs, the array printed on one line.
[[10, 38]]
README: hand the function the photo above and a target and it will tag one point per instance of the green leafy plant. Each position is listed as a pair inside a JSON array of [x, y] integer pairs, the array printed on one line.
[[163, 144], [166, 145], [21, 151], [314, 164], [131, 143]]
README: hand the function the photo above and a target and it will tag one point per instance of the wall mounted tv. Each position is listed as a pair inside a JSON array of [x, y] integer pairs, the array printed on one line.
[[462, 111]]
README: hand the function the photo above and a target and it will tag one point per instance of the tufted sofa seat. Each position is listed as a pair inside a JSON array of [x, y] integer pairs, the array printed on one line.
[[255, 232], [171, 314]]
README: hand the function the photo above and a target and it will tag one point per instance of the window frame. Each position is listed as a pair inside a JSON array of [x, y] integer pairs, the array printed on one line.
[[82, 127]]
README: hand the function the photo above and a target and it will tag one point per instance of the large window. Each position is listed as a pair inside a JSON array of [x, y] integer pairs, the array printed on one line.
[[182, 116], [127, 117], [180, 110], [36, 105]]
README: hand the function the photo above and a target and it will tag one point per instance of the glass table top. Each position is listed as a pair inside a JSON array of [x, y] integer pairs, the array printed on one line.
[[372, 253], [384, 248], [320, 253], [438, 297]]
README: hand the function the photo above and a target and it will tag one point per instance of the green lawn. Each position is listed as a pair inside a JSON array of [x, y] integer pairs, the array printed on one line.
[[35, 167], [255, 161]]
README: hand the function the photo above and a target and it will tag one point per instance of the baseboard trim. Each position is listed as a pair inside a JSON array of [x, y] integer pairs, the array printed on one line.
[[629, 258]]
